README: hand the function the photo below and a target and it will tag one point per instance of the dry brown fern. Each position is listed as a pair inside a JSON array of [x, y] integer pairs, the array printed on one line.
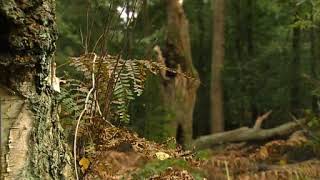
[[119, 81], [304, 170]]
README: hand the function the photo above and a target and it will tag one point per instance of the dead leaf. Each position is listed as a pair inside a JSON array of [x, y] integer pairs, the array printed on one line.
[[84, 164], [162, 156]]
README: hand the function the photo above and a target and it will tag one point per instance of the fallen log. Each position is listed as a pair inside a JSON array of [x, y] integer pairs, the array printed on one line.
[[248, 134]]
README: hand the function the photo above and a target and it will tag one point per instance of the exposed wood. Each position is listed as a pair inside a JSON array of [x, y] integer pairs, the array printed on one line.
[[248, 134], [178, 91], [15, 133], [260, 120]]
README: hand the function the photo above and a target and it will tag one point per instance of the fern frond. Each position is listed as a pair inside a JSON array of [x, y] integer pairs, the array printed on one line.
[[128, 76]]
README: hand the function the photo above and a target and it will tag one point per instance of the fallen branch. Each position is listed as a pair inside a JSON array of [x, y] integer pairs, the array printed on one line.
[[248, 134], [260, 120]]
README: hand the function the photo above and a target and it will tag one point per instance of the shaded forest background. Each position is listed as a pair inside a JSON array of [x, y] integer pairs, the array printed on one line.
[[226, 88], [272, 55]]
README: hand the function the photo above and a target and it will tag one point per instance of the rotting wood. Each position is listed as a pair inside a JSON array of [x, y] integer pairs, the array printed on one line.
[[178, 92], [248, 134]]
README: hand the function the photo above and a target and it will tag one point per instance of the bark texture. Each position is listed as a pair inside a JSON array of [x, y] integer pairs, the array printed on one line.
[[217, 117], [32, 145], [247, 134], [179, 90]]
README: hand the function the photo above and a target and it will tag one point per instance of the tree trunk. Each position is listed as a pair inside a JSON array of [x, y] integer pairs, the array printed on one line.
[[201, 54], [179, 91], [251, 55], [295, 103], [32, 145], [239, 57], [145, 18], [314, 64], [217, 117]]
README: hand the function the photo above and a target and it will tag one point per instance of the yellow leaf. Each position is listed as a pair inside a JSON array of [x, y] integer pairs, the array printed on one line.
[[162, 156], [282, 162], [84, 163]]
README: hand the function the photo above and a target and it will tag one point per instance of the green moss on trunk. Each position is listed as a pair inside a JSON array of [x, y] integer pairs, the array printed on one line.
[[28, 44]]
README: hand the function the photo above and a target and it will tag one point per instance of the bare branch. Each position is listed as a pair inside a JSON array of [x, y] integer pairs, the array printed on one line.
[[260, 120]]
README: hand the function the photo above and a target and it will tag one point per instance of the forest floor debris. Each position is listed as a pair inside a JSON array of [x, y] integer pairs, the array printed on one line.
[[122, 154]]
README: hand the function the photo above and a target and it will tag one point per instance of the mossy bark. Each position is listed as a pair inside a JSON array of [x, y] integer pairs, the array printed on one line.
[[32, 145], [179, 90]]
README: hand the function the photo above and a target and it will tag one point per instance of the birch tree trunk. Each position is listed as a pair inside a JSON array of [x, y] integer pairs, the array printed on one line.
[[32, 144]]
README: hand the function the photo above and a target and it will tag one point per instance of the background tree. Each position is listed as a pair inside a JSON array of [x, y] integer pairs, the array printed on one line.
[[258, 53], [315, 56], [295, 69], [217, 117], [200, 19]]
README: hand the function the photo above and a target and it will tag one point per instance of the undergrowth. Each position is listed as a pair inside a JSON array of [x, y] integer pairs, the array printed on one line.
[[158, 167], [118, 83]]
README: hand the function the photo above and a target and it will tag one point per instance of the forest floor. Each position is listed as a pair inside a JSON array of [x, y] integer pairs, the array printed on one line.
[[122, 154]]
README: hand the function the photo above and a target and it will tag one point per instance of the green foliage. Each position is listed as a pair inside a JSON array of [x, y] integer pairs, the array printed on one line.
[[255, 80], [151, 118], [72, 97], [158, 166], [313, 119], [203, 154], [314, 130]]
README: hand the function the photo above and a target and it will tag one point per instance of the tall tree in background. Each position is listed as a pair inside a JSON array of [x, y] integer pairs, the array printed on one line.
[[314, 50], [239, 55], [295, 69], [145, 18], [199, 16], [32, 145], [179, 91], [217, 117], [251, 55]]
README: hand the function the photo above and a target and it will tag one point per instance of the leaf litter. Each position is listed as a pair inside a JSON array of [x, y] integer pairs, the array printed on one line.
[[122, 154]]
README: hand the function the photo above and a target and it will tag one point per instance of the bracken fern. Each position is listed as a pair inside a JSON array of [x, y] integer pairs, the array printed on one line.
[[124, 79]]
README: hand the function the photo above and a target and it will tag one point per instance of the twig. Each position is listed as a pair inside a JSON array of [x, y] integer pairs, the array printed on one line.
[[81, 114], [110, 84], [227, 170], [100, 113], [260, 120], [93, 104]]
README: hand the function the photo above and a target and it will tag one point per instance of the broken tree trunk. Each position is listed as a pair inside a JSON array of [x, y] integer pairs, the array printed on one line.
[[179, 91], [248, 134]]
